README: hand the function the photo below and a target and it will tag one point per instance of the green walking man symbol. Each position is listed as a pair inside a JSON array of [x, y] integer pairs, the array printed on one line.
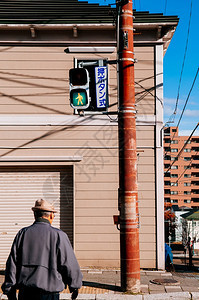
[[79, 98]]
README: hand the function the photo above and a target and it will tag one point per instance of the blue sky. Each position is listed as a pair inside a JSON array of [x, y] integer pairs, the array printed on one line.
[[173, 59]]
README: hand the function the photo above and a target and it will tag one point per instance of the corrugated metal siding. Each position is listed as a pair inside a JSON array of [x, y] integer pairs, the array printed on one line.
[[146, 196], [145, 81], [18, 192], [34, 80], [68, 11]]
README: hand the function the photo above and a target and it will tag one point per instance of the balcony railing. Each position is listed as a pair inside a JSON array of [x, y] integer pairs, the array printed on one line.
[[167, 157], [195, 175], [167, 134], [167, 174], [167, 149], [195, 157], [195, 191], [195, 166], [195, 149], [167, 141], [195, 184], [167, 192], [195, 199], [195, 140]]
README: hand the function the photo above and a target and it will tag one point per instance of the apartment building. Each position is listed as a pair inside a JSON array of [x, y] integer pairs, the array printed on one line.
[[181, 181]]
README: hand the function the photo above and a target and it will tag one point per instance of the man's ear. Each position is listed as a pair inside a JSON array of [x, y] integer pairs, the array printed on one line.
[[51, 217]]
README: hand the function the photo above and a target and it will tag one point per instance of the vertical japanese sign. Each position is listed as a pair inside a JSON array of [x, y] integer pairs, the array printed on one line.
[[101, 80]]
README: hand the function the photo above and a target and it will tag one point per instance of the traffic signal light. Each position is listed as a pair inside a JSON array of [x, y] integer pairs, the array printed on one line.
[[79, 88]]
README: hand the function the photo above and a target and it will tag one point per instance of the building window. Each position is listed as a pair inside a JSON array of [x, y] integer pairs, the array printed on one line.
[[195, 140], [174, 158], [187, 201], [174, 184], [167, 192], [187, 150], [174, 201], [187, 193], [167, 141], [195, 166], [174, 167], [187, 175], [167, 130], [174, 142], [195, 200], [195, 182], [167, 157], [166, 166], [174, 150], [187, 167], [174, 193], [187, 158], [189, 142], [195, 149], [174, 175], [167, 183], [167, 200], [195, 191], [174, 130], [187, 184]]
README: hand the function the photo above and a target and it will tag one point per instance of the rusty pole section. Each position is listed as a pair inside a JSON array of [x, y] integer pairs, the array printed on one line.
[[128, 192]]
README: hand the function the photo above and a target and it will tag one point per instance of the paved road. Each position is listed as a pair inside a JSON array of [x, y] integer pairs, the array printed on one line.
[[105, 285]]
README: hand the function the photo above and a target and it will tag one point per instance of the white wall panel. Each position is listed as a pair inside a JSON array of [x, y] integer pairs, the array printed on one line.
[[18, 192]]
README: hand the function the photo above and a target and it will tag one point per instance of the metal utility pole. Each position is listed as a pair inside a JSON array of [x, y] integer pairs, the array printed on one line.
[[128, 192]]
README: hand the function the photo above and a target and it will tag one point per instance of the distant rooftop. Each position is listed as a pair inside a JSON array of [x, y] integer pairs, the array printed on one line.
[[192, 215], [68, 12]]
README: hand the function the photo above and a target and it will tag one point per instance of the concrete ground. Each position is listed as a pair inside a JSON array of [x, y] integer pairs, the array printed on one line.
[[105, 284]]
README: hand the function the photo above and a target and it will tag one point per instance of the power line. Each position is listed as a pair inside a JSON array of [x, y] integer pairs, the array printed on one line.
[[183, 63], [187, 167], [182, 149], [145, 92], [185, 53], [188, 98], [140, 4], [165, 8], [184, 107]]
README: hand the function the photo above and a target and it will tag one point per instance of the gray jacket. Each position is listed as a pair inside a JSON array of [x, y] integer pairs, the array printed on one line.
[[42, 256]]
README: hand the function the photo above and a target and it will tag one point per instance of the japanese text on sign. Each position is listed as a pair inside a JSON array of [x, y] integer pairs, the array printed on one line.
[[101, 80]]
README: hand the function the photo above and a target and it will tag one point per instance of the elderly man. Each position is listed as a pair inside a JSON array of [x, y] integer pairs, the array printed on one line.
[[41, 262]]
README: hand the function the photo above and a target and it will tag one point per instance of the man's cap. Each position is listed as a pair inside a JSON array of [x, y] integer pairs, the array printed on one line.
[[43, 205]]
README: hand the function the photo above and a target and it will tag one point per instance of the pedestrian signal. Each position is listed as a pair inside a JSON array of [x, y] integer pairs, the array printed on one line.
[[79, 88]]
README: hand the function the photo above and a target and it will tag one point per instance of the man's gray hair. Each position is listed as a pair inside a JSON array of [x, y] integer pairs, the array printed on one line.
[[41, 213]]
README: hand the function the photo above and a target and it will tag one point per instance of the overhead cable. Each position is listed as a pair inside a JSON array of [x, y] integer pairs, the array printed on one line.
[[188, 98], [140, 4], [165, 8], [187, 167], [185, 53], [182, 149], [184, 107]]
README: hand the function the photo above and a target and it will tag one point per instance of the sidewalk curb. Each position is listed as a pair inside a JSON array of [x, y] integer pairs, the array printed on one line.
[[164, 296], [173, 296]]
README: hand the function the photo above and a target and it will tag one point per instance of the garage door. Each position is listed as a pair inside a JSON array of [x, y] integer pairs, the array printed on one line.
[[18, 192]]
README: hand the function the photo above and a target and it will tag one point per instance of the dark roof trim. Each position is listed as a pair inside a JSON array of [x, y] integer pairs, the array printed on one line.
[[68, 12]]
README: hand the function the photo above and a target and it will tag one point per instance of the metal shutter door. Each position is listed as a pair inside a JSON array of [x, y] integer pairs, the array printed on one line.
[[18, 193]]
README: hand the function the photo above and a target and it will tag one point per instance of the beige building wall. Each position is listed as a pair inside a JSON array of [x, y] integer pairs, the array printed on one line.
[[34, 83], [34, 80]]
